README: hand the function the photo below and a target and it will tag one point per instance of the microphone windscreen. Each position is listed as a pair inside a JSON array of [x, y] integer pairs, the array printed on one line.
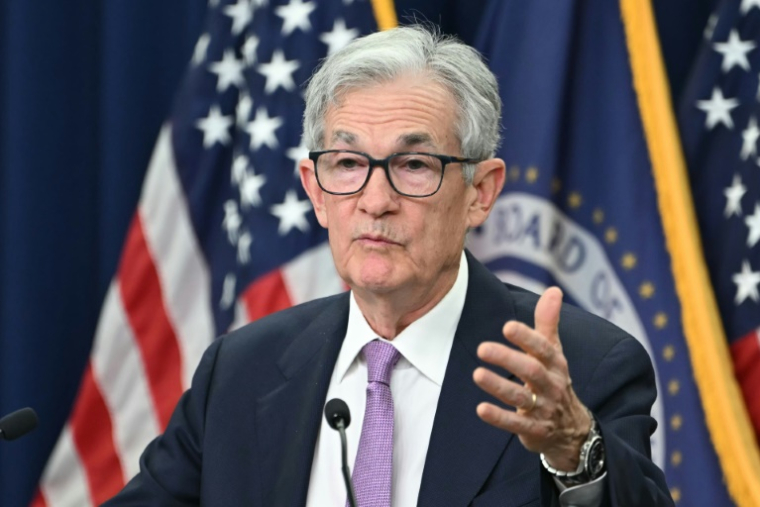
[[336, 409], [18, 423]]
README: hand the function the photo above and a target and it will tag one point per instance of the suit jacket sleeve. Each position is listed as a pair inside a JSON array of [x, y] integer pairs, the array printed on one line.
[[620, 393], [170, 466]]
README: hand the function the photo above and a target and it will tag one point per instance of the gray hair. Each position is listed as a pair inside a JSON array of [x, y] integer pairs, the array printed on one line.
[[384, 56]]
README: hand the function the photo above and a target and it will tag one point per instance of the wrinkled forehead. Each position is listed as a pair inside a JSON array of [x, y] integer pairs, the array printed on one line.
[[406, 139], [410, 111]]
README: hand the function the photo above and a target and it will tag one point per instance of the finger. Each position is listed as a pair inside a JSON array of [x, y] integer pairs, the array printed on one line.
[[520, 424], [506, 391], [531, 341], [526, 367], [547, 313]]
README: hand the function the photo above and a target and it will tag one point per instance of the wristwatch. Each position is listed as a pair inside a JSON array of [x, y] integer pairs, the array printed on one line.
[[591, 462]]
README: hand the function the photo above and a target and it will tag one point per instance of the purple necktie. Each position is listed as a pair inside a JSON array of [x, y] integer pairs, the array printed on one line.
[[374, 460]]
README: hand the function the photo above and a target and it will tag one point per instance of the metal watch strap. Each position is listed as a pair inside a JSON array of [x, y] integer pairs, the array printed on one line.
[[580, 475]]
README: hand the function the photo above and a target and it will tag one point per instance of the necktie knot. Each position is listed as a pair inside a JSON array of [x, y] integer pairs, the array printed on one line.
[[381, 358]]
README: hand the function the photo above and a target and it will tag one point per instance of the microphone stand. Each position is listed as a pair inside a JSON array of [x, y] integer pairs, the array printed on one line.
[[341, 427]]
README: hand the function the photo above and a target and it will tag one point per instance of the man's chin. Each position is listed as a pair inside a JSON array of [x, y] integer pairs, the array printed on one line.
[[376, 275]]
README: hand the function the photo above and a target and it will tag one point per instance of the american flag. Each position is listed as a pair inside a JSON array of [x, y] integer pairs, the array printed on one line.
[[719, 118], [223, 233]]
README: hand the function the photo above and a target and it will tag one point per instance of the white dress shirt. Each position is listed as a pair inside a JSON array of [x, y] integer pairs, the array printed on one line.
[[416, 383]]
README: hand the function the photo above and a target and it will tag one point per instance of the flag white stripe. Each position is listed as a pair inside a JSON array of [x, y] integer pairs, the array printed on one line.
[[182, 270], [64, 483], [119, 371]]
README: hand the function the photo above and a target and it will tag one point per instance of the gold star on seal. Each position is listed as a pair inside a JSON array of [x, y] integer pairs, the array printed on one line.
[[514, 173], [675, 458], [646, 290], [675, 493], [598, 216], [660, 320], [556, 185], [574, 200], [628, 261], [531, 175], [668, 352], [610, 235], [673, 387], [676, 422]]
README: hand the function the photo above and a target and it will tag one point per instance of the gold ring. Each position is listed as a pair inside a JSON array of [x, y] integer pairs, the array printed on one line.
[[533, 402]]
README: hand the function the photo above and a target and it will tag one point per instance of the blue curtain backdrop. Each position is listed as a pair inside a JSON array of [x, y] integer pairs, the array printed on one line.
[[84, 88]]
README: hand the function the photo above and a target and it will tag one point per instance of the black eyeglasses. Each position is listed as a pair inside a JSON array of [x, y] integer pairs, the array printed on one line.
[[412, 174]]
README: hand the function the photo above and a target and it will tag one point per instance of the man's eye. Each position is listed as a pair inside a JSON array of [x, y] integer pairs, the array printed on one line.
[[347, 163], [415, 164]]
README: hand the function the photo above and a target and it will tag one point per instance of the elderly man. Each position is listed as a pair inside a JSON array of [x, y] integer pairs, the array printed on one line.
[[404, 125]]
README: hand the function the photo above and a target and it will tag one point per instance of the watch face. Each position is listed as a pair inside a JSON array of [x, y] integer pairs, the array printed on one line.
[[595, 459]]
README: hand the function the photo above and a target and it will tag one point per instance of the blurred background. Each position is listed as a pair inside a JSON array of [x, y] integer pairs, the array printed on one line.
[[85, 86]]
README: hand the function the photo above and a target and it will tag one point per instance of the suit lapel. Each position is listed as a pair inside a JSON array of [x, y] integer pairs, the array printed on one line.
[[463, 449], [288, 418]]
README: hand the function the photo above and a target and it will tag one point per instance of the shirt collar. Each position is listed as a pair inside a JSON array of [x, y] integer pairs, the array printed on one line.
[[425, 343]]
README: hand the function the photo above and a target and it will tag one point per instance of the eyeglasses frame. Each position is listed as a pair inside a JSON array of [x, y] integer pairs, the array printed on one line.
[[385, 164]]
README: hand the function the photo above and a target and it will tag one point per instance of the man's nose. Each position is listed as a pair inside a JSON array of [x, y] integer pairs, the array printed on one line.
[[378, 197]]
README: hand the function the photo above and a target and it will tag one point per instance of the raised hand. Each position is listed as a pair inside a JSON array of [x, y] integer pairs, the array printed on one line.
[[550, 418]]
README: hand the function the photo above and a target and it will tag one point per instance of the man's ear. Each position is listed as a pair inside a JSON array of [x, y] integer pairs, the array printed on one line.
[[487, 184], [316, 194]]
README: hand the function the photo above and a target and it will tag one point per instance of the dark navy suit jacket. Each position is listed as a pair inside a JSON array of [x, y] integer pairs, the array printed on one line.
[[245, 433]]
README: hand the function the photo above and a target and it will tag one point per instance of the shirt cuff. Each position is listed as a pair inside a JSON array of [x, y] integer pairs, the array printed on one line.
[[589, 494]]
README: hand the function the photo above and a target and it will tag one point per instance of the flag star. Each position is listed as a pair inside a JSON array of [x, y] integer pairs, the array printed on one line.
[[296, 154], [228, 291], [339, 37], [747, 5], [718, 109], [734, 195], [250, 46], [232, 221], [243, 109], [262, 128], [250, 187], [295, 15], [746, 283], [292, 213], [750, 135], [229, 71], [201, 48], [278, 72], [215, 127], [712, 22], [239, 169], [753, 222], [244, 248], [241, 15], [734, 51]]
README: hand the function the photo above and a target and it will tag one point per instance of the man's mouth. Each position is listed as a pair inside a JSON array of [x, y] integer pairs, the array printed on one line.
[[376, 239]]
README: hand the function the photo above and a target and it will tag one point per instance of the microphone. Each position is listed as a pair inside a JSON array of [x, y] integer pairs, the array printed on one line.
[[339, 417], [18, 423]]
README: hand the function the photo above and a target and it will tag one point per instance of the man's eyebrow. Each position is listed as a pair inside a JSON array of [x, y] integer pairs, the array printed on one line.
[[415, 138], [342, 135]]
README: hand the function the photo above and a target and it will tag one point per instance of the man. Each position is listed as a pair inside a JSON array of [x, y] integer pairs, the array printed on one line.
[[403, 126]]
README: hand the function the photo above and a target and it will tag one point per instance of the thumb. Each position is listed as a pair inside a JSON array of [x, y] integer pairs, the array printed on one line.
[[547, 313]]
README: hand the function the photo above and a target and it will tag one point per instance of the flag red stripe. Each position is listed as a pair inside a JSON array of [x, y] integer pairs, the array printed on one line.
[[745, 353], [38, 500], [144, 305], [93, 437], [266, 295]]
